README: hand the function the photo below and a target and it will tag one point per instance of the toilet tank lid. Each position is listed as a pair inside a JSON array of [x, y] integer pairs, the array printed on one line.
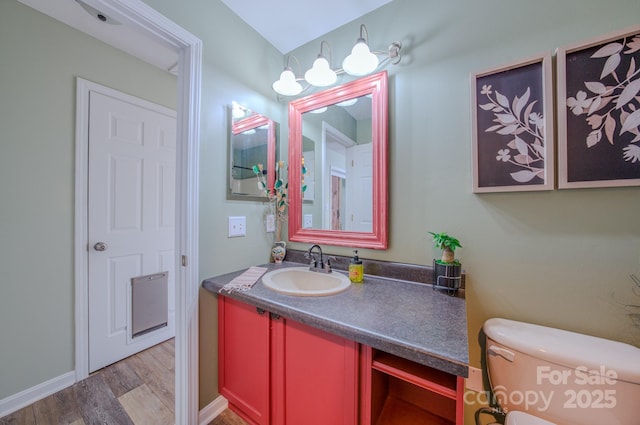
[[569, 349]]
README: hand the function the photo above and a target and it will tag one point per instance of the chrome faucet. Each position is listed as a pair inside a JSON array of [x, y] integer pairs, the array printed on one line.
[[317, 265]]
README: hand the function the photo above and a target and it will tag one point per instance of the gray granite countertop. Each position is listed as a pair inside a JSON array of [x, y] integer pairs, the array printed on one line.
[[403, 318]]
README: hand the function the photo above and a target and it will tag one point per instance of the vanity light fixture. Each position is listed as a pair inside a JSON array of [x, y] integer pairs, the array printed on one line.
[[361, 61], [287, 84], [237, 111], [321, 74]]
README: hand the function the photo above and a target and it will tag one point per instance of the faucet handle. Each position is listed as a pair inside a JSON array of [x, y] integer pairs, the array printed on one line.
[[328, 265]]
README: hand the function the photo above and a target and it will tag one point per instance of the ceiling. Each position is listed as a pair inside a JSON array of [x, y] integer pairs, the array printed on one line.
[[286, 24], [121, 37]]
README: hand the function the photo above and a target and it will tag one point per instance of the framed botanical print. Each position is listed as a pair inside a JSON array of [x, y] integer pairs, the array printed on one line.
[[512, 124], [599, 112]]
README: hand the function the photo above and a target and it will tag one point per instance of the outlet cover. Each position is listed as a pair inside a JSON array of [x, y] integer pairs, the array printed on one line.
[[474, 381], [307, 221], [270, 223], [237, 226]]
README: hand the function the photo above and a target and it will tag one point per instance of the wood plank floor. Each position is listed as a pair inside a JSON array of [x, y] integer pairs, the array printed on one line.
[[138, 390]]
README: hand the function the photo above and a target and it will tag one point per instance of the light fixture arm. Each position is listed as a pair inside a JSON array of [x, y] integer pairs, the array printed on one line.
[[364, 34], [288, 64], [320, 55]]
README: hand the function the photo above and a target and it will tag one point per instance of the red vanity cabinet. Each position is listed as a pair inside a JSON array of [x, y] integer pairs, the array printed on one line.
[[277, 371], [273, 370], [396, 391]]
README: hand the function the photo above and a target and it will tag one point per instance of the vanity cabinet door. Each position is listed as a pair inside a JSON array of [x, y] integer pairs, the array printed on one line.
[[278, 371], [316, 376], [243, 364]]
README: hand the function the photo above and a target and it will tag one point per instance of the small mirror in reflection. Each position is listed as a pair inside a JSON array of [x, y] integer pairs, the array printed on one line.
[[252, 140]]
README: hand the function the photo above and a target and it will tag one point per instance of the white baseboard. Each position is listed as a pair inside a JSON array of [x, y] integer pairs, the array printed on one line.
[[212, 410], [31, 395]]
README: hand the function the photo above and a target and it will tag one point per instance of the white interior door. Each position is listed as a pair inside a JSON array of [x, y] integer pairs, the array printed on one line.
[[359, 207], [131, 219]]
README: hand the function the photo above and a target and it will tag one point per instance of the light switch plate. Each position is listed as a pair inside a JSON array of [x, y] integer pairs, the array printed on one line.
[[237, 226], [474, 381]]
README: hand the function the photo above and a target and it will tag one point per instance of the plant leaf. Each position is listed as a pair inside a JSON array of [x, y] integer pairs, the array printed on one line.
[[539, 149], [506, 118], [610, 65], [486, 106], [628, 93], [502, 100], [511, 129], [523, 176], [633, 45], [522, 101], [529, 108], [493, 128], [594, 105], [609, 128], [632, 122], [608, 50], [522, 146], [596, 87], [632, 67], [523, 159], [593, 138]]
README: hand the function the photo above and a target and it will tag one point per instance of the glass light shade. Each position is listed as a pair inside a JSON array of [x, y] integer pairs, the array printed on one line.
[[287, 84], [348, 102], [361, 61], [320, 74], [319, 110]]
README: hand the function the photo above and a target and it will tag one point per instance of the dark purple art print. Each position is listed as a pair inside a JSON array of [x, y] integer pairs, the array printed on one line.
[[512, 146], [602, 107]]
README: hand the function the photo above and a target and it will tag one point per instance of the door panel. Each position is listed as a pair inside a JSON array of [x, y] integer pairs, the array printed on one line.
[[243, 368], [320, 377], [131, 210]]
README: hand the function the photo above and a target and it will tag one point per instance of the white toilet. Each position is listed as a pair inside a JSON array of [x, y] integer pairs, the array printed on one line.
[[547, 376]]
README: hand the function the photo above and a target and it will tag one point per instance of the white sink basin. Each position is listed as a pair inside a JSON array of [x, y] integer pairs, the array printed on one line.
[[302, 282]]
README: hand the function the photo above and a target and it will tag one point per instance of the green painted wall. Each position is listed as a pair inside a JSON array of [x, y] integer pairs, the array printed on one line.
[[559, 258], [238, 65], [40, 59]]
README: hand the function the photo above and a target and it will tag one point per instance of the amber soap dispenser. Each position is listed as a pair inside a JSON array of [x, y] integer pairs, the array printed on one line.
[[356, 270]]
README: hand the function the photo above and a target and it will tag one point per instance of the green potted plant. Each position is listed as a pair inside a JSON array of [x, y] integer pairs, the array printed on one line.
[[447, 271]]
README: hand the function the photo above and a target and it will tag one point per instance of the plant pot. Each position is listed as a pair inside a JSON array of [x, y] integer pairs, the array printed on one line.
[[447, 276], [278, 251]]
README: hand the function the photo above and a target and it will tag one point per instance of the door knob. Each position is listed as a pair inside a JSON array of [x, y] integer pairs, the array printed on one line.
[[100, 246]]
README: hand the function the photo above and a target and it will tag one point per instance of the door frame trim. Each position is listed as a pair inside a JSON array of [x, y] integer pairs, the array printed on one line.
[[189, 48]]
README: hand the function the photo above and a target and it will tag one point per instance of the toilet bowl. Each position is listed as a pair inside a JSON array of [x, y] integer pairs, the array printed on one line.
[[541, 375], [521, 418]]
